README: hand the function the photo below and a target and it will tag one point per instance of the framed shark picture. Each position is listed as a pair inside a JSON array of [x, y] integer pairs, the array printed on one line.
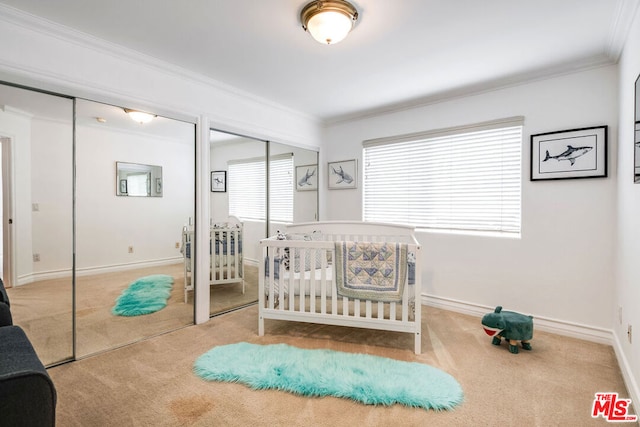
[[574, 153], [343, 175], [307, 178], [218, 181]]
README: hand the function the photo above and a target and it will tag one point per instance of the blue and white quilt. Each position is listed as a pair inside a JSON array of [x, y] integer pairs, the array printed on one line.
[[371, 271]]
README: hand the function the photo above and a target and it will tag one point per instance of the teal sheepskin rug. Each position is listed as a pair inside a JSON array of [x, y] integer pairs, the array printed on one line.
[[146, 295], [367, 379]]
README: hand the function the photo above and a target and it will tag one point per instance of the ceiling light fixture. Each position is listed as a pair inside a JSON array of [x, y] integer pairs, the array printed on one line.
[[139, 116], [328, 22]]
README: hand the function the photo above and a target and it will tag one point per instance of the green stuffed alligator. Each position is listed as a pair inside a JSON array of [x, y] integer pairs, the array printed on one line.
[[509, 325]]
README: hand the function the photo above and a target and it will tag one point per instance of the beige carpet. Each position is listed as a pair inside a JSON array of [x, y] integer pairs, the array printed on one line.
[[151, 383], [43, 310]]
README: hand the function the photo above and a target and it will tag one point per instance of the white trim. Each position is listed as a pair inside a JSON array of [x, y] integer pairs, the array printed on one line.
[[627, 373], [555, 326], [620, 27], [90, 271]]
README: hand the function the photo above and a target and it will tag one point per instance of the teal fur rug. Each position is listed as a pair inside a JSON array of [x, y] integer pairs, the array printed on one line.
[[144, 296], [367, 379]]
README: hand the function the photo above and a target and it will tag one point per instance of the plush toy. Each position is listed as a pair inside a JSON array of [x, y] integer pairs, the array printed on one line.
[[511, 326]]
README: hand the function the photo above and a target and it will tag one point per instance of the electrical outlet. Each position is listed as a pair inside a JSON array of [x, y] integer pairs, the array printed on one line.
[[130, 249], [177, 245], [629, 333], [36, 257], [35, 207]]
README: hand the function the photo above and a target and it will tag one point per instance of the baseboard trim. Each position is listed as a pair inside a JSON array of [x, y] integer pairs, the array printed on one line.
[[560, 327], [87, 271], [627, 374]]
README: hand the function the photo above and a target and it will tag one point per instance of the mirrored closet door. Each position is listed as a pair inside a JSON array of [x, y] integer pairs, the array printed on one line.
[[135, 204], [36, 134], [252, 199]]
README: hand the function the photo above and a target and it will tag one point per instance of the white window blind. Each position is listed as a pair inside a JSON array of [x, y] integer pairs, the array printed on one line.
[[460, 179], [247, 188]]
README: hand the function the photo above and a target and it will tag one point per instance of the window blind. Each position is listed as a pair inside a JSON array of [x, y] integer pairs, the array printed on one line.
[[247, 188], [468, 179]]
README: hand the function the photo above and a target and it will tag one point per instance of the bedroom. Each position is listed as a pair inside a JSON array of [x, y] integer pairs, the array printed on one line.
[[575, 281]]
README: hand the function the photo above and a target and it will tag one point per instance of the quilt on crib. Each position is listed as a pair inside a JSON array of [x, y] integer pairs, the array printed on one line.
[[371, 271]]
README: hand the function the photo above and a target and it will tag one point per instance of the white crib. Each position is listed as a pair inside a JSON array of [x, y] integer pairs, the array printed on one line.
[[225, 254], [306, 290]]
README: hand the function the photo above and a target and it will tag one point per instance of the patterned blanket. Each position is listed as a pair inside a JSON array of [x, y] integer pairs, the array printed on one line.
[[371, 271]]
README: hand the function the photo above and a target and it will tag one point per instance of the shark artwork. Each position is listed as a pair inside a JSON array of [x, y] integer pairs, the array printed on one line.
[[306, 179], [342, 176], [570, 154]]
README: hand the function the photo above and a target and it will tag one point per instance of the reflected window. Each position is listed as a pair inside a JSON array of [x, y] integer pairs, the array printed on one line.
[[247, 197]]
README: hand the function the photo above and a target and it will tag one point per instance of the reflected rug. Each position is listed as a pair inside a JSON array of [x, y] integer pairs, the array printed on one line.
[[367, 379], [144, 296]]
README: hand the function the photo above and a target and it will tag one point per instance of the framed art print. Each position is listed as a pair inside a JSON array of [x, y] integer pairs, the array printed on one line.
[[343, 175], [307, 177], [575, 153], [218, 181]]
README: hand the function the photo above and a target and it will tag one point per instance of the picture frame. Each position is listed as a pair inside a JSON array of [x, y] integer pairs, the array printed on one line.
[[219, 181], [123, 186], [307, 177], [159, 186], [569, 154], [343, 174]]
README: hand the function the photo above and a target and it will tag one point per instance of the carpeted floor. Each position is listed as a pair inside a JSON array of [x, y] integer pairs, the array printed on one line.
[[43, 310], [151, 383]]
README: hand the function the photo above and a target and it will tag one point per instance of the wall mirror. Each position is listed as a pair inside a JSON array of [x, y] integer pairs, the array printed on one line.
[[138, 180], [637, 132]]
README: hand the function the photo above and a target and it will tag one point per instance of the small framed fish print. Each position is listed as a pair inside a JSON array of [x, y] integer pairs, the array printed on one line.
[[343, 174], [307, 178], [219, 181], [574, 153]]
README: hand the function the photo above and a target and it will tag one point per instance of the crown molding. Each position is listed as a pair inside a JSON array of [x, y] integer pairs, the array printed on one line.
[[506, 82], [620, 27], [70, 35]]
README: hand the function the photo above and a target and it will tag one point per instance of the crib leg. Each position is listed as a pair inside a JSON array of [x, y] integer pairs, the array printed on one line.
[[260, 326], [418, 343]]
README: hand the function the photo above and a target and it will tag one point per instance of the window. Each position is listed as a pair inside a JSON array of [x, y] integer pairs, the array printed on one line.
[[247, 188], [465, 178]]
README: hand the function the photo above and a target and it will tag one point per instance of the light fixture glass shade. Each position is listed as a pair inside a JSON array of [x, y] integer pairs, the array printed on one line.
[[329, 22], [329, 27], [139, 116]]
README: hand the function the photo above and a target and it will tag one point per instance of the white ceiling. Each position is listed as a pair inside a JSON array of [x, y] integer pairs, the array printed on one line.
[[401, 52]]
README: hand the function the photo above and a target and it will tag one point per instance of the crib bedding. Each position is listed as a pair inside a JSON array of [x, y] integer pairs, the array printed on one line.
[[225, 252]]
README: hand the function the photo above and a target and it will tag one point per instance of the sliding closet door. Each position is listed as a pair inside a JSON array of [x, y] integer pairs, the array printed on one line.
[[240, 162], [293, 186], [135, 204], [36, 133]]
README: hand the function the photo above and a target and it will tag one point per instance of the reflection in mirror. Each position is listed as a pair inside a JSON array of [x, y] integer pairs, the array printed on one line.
[[294, 191], [36, 134], [134, 179], [243, 201], [126, 240], [637, 131], [240, 207]]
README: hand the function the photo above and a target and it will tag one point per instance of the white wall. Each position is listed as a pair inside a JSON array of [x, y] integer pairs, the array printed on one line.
[[561, 267], [106, 224], [627, 291], [51, 170], [17, 126]]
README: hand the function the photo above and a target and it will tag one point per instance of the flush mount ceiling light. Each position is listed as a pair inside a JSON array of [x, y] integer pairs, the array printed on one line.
[[328, 22], [139, 116]]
